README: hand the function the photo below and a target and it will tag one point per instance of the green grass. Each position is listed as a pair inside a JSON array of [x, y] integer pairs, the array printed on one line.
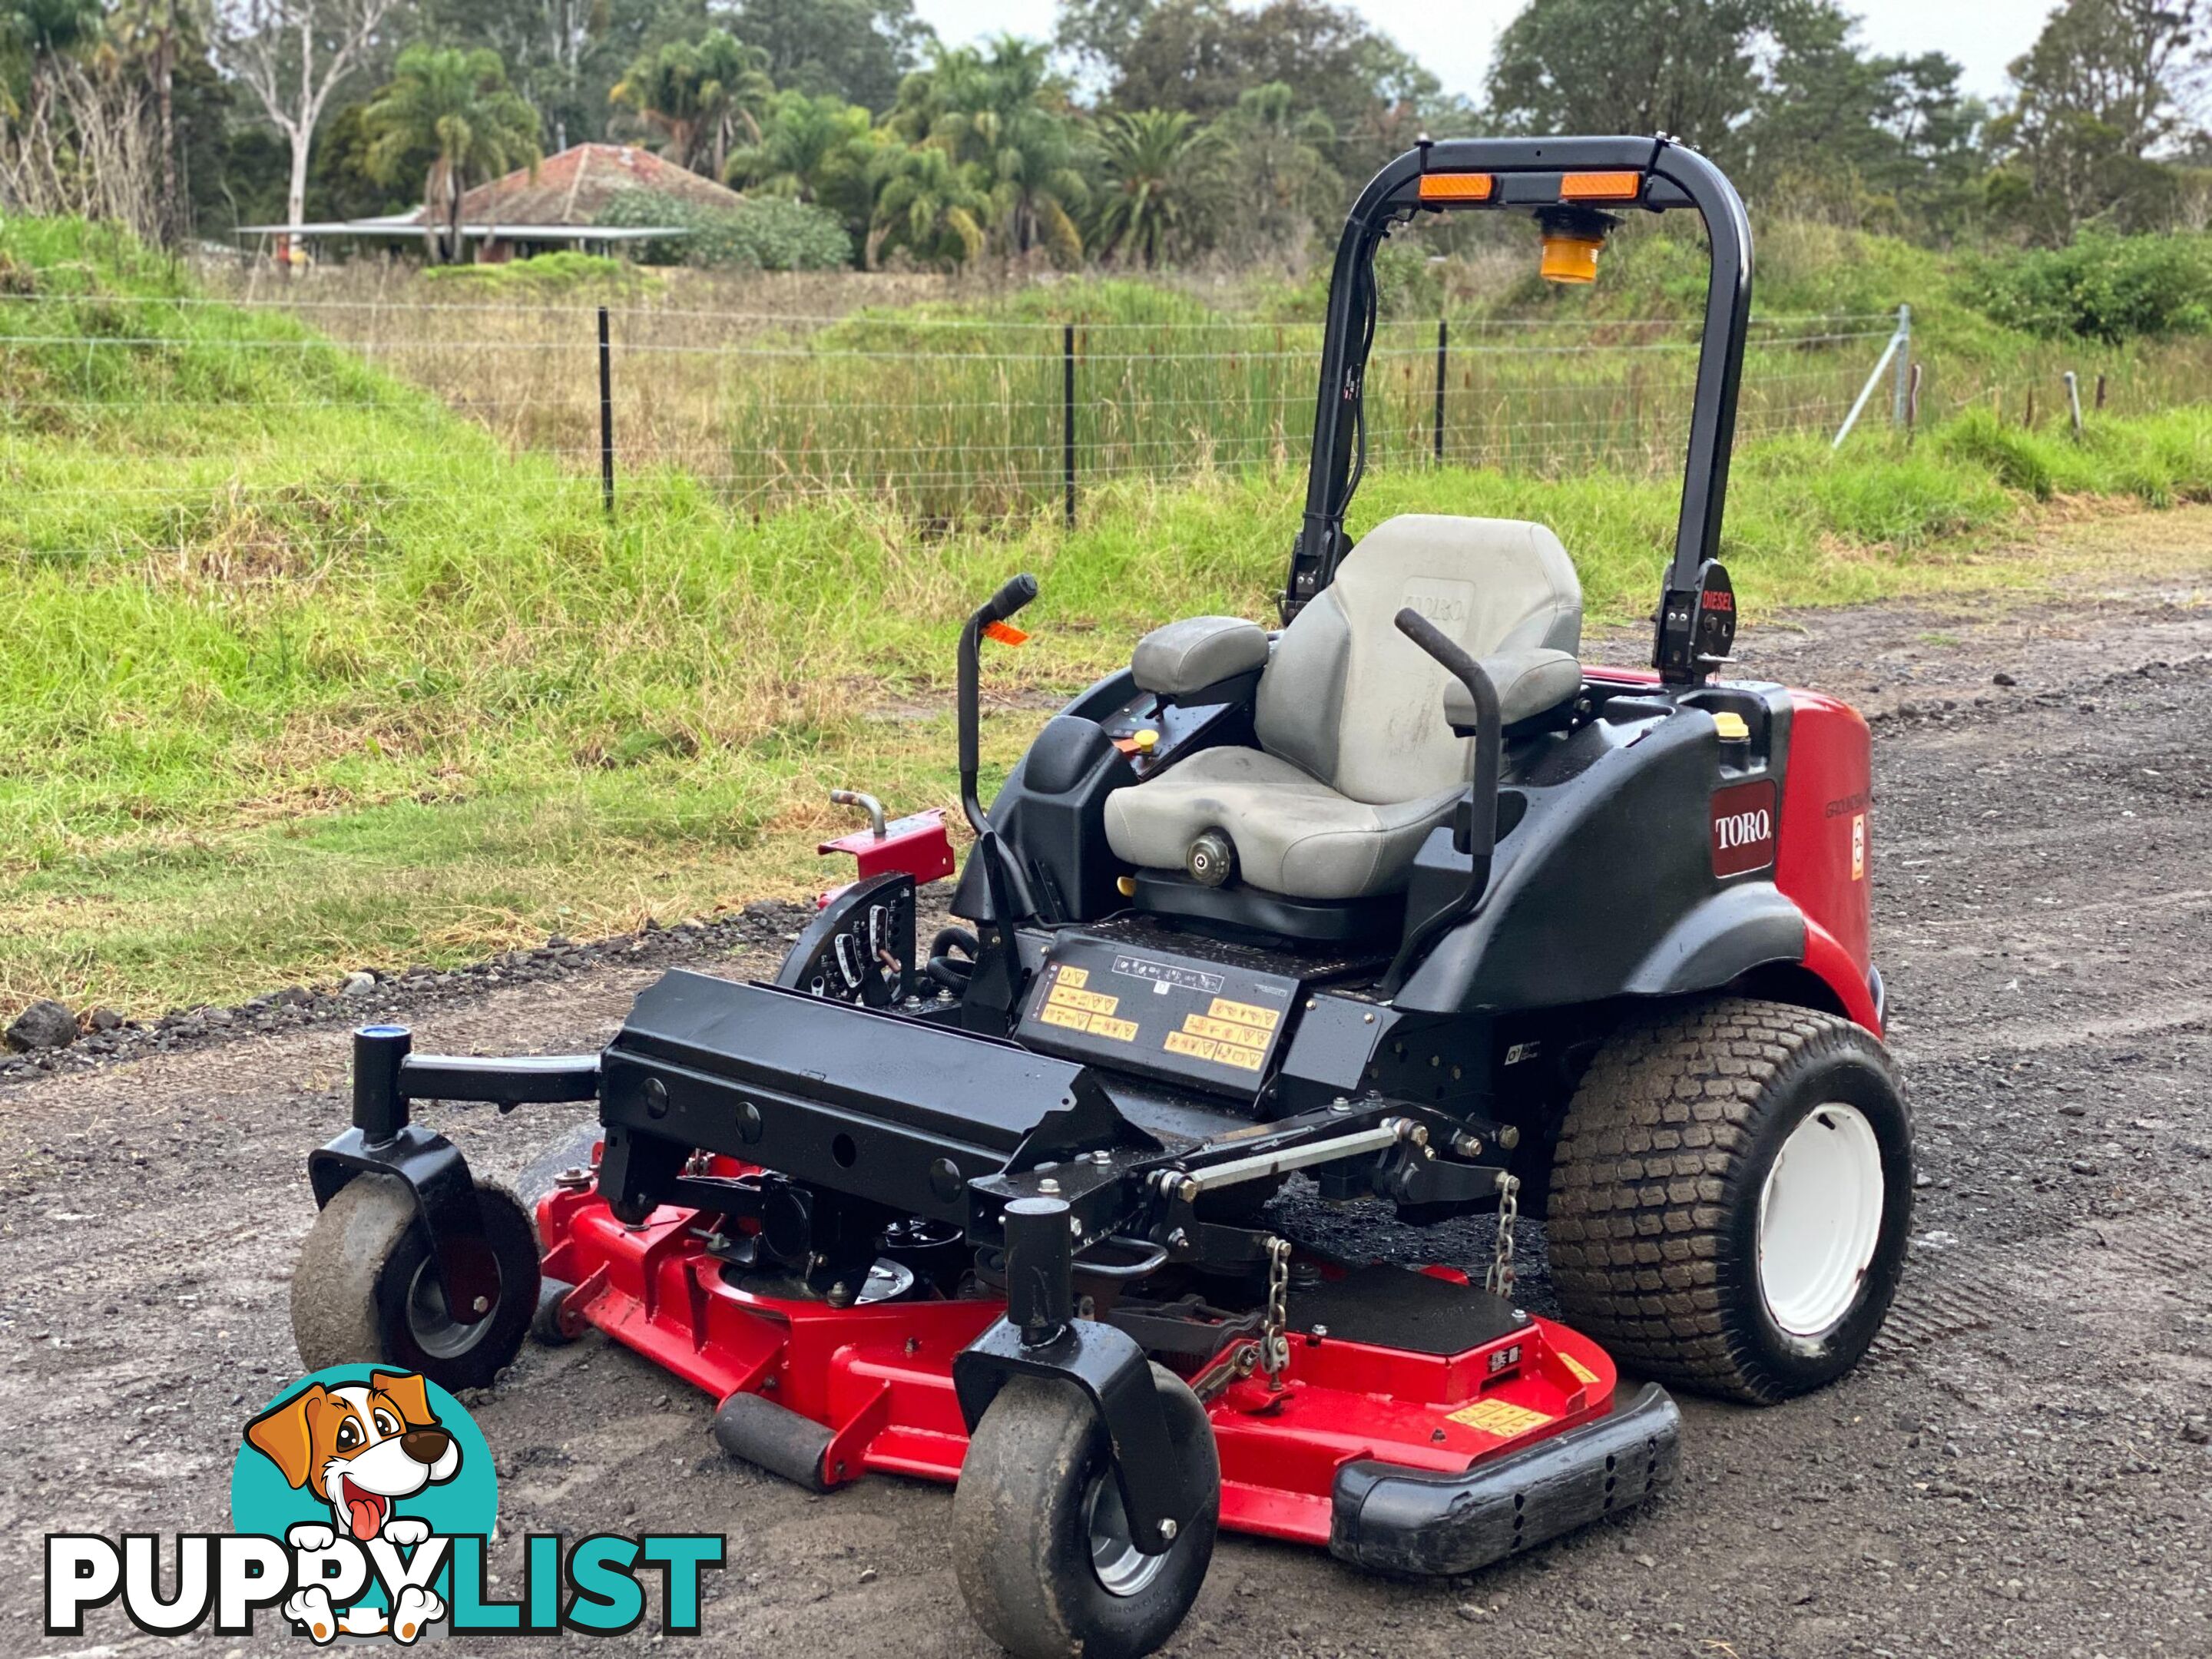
[[280, 715]]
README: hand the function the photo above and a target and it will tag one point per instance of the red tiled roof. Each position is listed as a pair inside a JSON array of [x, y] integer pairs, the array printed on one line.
[[571, 188]]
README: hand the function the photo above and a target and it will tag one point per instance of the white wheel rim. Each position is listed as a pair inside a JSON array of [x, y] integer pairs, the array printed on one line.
[[1819, 1218], [1122, 1569]]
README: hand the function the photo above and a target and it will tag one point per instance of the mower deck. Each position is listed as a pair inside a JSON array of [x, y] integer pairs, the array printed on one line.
[[878, 1378]]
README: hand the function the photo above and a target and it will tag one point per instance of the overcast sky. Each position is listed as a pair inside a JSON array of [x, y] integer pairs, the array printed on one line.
[[1984, 35]]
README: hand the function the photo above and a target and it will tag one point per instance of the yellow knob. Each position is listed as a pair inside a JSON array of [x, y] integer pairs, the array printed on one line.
[[1127, 886], [1148, 740], [1731, 727]]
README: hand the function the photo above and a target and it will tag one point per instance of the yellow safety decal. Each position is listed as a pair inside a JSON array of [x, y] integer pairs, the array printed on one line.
[[1221, 1054], [1089, 1001], [1073, 1019], [1222, 1030], [1245, 1014], [1583, 1373], [1117, 1031], [1500, 1417], [1182, 1042], [1074, 978]]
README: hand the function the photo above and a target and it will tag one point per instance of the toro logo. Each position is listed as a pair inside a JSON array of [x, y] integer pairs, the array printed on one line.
[[1743, 828]]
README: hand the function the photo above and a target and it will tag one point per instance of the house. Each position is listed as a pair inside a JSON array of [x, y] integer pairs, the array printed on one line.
[[535, 211]]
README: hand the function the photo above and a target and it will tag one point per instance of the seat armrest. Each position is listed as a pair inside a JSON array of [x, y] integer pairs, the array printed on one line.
[[1196, 652], [1530, 682]]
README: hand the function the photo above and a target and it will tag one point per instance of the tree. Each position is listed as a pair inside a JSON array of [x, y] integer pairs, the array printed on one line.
[[802, 140], [2098, 93], [1155, 161], [292, 55], [1096, 35], [458, 106], [1686, 67], [699, 95], [855, 50], [930, 205], [1860, 134], [999, 110], [563, 56], [1201, 56], [1272, 181], [155, 34]]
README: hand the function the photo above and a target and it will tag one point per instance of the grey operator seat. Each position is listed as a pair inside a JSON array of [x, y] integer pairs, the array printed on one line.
[[1356, 759]]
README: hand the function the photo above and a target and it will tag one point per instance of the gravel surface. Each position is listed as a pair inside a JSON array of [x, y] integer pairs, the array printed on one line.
[[2020, 1469]]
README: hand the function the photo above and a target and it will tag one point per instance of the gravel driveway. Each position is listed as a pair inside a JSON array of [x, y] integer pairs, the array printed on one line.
[[2021, 1469]]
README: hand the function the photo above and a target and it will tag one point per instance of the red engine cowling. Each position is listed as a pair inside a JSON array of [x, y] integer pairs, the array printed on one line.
[[1824, 860]]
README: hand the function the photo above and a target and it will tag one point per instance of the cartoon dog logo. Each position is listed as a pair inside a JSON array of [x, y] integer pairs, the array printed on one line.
[[360, 1449]]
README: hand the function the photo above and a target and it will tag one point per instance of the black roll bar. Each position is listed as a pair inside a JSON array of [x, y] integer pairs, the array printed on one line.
[[1526, 173]]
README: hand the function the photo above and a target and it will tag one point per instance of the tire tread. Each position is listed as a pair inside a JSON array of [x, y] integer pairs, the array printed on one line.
[[1647, 1161]]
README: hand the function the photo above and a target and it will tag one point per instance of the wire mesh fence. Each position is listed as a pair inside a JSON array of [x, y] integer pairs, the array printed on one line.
[[953, 419]]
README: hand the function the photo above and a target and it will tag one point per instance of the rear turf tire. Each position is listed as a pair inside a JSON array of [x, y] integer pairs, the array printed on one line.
[[364, 1291], [1672, 1240], [1025, 1513]]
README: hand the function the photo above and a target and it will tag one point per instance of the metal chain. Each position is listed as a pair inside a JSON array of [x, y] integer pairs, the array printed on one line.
[[1274, 1346], [1498, 1281]]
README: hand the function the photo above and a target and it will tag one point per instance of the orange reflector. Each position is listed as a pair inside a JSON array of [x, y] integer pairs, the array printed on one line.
[[1456, 186], [1004, 633], [1601, 186], [1570, 258]]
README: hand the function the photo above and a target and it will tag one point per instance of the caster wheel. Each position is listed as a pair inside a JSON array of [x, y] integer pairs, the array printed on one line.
[[545, 1328], [1731, 1198], [365, 1291], [1041, 1543]]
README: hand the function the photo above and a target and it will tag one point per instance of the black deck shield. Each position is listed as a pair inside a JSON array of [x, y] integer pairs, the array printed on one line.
[[875, 1105], [1389, 1518]]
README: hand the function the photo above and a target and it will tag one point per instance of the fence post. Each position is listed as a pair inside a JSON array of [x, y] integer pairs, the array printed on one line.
[[1443, 337], [606, 418], [1904, 356], [1912, 404], [2074, 402], [1894, 352], [1067, 415], [2100, 392]]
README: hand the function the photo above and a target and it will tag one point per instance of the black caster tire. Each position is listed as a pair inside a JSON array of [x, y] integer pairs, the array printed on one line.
[[364, 1292], [1732, 1198], [545, 1328], [1040, 1544]]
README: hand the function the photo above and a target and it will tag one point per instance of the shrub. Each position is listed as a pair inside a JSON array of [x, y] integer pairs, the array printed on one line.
[[764, 232], [2018, 458], [2102, 287], [549, 275]]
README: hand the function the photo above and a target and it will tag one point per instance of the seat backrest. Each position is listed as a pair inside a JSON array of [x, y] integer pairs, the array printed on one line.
[[1353, 701]]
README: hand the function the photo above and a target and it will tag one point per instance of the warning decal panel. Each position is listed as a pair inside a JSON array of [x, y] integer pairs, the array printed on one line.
[[1499, 1417], [1201, 1022]]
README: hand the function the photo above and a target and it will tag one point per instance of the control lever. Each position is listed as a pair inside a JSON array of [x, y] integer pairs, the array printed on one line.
[[1017, 592], [1481, 837]]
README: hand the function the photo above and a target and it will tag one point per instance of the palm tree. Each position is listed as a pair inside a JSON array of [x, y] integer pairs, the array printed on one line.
[[801, 141], [1000, 111], [699, 95], [1153, 158], [457, 104], [930, 205]]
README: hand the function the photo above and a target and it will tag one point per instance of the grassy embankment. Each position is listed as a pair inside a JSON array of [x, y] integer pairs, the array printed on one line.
[[280, 698]]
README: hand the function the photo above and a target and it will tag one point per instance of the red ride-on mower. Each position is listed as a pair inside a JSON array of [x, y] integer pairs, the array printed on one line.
[[1402, 899]]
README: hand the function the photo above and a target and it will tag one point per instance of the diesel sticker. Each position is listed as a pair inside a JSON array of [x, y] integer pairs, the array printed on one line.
[[1743, 828]]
